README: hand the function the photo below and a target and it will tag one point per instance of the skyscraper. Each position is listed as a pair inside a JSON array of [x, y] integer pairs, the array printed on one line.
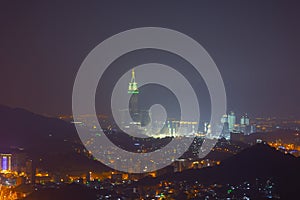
[[133, 103], [224, 119], [133, 86], [225, 130], [231, 121], [245, 120], [206, 124]]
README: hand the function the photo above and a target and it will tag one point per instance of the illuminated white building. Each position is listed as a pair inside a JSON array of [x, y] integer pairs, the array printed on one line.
[[231, 121], [245, 120]]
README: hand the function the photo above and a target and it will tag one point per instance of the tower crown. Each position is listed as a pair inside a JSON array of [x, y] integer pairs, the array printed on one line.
[[133, 86]]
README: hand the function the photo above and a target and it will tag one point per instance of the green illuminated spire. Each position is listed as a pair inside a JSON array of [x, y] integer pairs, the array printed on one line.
[[133, 87]]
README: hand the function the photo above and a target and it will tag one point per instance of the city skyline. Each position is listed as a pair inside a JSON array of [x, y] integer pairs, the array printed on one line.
[[269, 155], [152, 100]]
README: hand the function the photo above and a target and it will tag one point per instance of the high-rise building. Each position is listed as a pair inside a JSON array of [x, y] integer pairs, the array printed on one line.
[[252, 128], [224, 119], [231, 121], [245, 120], [133, 103], [5, 162], [206, 124], [133, 86], [225, 131], [225, 127], [245, 125]]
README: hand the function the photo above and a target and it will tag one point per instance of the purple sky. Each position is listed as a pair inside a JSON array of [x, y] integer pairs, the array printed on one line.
[[255, 44]]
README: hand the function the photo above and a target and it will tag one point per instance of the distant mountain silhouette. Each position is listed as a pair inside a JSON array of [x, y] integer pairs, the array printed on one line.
[[51, 141], [21, 128], [259, 161]]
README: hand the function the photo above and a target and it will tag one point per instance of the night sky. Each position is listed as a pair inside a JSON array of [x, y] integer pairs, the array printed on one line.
[[255, 44]]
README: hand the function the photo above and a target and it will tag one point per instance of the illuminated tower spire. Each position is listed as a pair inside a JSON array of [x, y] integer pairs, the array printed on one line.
[[133, 103], [133, 87]]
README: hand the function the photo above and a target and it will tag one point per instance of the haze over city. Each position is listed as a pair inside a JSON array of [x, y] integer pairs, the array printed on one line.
[[136, 100]]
